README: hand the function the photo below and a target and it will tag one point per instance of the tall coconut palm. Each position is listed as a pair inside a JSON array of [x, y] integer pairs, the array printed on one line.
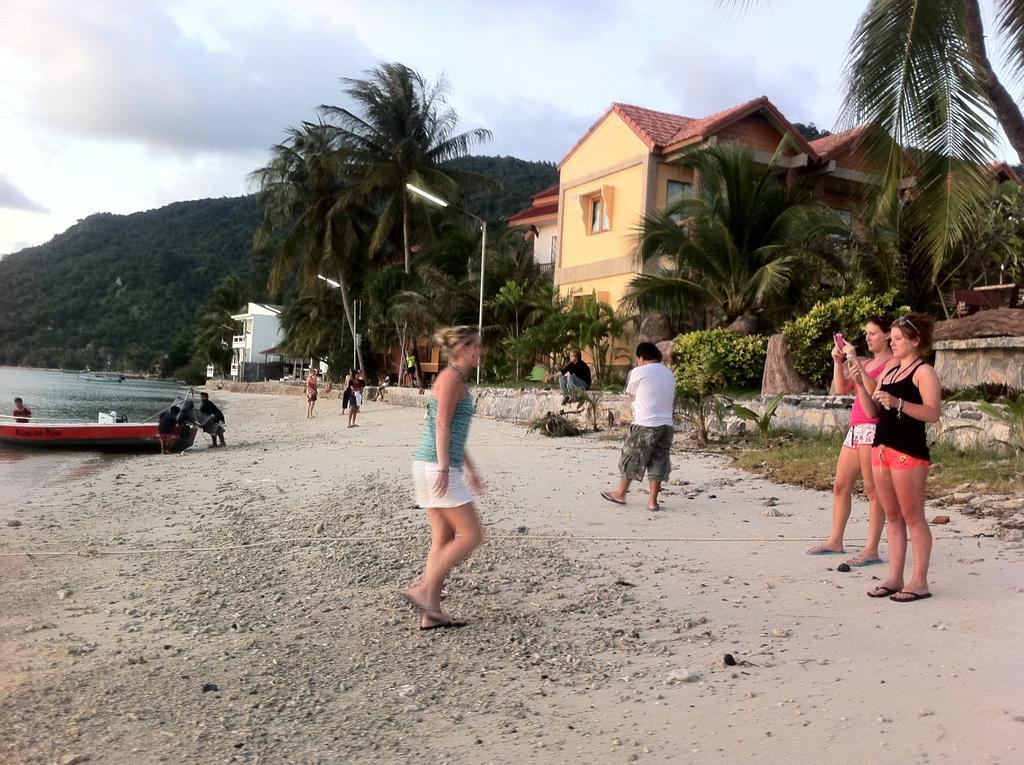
[[919, 71], [311, 224], [227, 299], [405, 133], [735, 248]]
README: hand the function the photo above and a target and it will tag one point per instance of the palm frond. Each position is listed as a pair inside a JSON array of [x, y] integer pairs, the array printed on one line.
[[911, 76], [1010, 26]]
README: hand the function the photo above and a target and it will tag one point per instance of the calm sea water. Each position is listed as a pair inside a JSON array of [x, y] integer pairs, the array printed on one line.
[[65, 396]]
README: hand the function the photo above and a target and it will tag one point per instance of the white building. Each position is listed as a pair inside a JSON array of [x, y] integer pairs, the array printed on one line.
[[254, 352], [540, 222]]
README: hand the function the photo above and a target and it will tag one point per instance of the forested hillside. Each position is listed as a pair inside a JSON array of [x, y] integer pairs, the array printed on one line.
[[125, 289], [119, 288], [519, 180]]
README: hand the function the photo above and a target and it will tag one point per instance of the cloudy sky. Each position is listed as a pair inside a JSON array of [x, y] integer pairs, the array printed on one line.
[[126, 105]]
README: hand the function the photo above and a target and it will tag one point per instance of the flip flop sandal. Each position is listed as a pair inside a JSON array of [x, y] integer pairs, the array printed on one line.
[[819, 550], [450, 624], [656, 508], [882, 592], [855, 561], [607, 495], [911, 596], [422, 607]]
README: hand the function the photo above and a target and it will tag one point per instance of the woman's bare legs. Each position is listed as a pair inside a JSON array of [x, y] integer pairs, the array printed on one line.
[[876, 515], [847, 470], [909, 486], [454, 533], [895, 528]]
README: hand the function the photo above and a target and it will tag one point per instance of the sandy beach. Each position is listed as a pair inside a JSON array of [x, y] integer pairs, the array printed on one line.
[[241, 605]]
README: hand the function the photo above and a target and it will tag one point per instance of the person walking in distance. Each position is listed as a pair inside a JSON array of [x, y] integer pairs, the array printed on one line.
[[445, 478], [649, 441], [311, 391], [907, 397], [355, 388]]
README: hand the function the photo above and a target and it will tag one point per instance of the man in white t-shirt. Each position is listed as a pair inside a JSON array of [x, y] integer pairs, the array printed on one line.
[[649, 442]]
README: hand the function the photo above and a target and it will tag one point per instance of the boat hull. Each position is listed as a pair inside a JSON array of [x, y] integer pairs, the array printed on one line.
[[118, 436]]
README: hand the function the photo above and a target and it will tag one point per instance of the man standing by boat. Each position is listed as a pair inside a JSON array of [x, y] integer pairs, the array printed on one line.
[[213, 419], [21, 412], [167, 428]]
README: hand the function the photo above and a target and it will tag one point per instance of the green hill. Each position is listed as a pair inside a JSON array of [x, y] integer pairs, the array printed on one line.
[[125, 289], [519, 180], [119, 288]]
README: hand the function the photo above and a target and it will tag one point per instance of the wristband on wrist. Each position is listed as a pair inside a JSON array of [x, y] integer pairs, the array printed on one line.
[[899, 409], [443, 470]]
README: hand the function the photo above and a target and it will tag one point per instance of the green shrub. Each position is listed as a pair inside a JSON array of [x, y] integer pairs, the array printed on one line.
[[720, 359], [810, 337]]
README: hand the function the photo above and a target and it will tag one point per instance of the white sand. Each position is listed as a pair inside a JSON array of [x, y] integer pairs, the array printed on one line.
[[315, 659]]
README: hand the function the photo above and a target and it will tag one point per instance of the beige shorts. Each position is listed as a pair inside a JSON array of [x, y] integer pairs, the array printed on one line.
[[423, 476]]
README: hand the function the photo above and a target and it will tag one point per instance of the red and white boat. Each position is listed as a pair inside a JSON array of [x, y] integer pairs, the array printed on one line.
[[105, 434]]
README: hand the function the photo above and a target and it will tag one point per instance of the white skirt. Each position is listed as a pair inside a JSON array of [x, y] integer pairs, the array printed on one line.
[[423, 476]]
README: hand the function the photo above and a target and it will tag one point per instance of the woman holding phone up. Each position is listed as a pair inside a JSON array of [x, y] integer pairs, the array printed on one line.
[[855, 453], [440, 465], [907, 397]]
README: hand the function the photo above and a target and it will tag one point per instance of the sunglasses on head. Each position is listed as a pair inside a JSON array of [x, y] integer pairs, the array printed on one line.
[[905, 320]]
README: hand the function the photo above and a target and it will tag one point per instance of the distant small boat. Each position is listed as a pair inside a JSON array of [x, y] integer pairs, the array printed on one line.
[[108, 433], [91, 377]]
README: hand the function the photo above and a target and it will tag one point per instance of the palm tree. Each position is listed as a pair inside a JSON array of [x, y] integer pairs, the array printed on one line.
[[405, 134], [227, 299], [919, 73], [735, 248], [311, 224]]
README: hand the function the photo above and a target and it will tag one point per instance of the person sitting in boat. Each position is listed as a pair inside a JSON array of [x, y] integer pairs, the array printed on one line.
[[213, 422], [21, 412], [168, 429]]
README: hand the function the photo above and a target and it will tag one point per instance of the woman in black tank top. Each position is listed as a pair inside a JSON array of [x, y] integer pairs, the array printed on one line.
[[906, 398]]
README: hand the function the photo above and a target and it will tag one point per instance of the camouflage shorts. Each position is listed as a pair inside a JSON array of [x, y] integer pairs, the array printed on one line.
[[646, 450]]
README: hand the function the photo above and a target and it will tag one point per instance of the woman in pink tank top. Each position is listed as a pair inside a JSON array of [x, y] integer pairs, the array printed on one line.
[[855, 454]]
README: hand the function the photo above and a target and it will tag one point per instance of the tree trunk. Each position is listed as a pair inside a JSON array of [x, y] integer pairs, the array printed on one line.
[[1006, 109], [780, 375], [347, 303], [405, 231]]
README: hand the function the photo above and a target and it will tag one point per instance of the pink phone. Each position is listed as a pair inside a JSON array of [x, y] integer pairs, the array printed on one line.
[[840, 342]]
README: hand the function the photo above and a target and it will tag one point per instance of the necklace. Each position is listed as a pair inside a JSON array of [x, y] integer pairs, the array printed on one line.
[[456, 367]]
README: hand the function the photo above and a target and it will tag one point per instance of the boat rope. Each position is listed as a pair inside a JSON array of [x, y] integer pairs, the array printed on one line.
[[308, 542]]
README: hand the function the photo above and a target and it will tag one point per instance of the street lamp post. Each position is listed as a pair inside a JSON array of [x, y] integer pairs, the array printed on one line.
[[483, 251], [357, 307]]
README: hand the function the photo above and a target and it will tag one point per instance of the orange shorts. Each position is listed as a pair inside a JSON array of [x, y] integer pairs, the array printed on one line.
[[887, 457]]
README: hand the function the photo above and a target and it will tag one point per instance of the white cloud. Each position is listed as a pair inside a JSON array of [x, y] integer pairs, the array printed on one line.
[[136, 75]]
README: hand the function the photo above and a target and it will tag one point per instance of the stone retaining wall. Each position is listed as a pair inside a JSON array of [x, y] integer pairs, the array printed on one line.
[[966, 363], [962, 423]]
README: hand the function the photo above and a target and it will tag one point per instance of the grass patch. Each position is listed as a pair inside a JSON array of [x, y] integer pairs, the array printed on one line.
[[809, 460]]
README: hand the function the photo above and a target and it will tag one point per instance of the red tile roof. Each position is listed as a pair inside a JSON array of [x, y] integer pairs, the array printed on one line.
[[549, 210], [550, 191], [661, 130], [839, 143], [656, 129]]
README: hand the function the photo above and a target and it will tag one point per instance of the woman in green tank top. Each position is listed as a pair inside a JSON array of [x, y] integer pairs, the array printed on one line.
[[445, 477]]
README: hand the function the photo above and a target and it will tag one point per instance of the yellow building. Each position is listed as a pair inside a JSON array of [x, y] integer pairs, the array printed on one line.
[[628, 166]]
